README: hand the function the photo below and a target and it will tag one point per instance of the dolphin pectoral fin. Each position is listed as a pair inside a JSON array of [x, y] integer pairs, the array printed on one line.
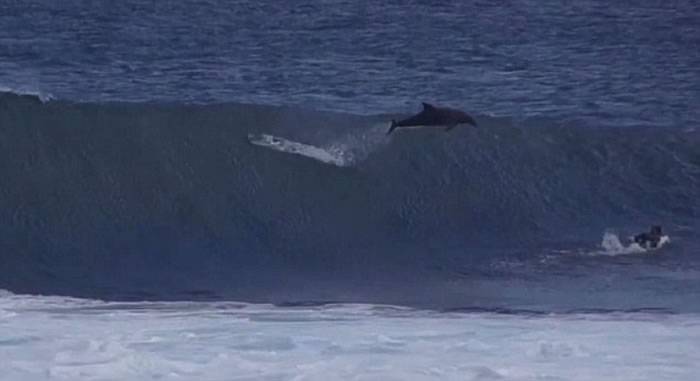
[[450, 127], [392, 127], [428, 106]]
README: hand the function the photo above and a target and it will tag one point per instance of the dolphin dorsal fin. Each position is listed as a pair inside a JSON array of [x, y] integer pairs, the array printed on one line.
[[428, 106]]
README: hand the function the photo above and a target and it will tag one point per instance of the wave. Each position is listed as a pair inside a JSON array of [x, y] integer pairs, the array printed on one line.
[[143, 199], [29, 92]]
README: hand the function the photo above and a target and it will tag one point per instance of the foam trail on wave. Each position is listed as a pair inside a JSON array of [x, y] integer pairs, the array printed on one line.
[[288, 146], [343, 151]]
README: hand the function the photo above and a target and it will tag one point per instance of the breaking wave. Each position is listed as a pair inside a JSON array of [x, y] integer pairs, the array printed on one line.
[[146, 200]]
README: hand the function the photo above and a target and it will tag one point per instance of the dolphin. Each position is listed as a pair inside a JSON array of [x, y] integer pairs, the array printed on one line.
[[434, 116]]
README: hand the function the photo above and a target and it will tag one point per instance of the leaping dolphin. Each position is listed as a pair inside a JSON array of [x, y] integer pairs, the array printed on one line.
[[434, 117]]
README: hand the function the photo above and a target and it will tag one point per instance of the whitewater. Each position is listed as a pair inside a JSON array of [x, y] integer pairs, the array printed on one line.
[[66, 339]]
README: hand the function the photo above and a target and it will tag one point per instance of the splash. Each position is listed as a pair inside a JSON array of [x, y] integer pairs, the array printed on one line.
[[335, 157], [611, 245], [342, 151]]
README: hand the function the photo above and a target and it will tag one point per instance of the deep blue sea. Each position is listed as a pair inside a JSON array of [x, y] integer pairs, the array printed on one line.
[[128, 171], [206, 190]]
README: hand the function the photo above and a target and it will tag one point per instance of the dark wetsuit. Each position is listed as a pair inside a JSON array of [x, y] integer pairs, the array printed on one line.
[[650, 239]]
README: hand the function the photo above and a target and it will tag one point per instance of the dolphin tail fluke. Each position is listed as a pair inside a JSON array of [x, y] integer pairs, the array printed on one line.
[[392, 127]]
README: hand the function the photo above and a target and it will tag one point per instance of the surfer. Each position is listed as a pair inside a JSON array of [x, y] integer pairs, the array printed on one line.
[[434, 117], [650, 239]]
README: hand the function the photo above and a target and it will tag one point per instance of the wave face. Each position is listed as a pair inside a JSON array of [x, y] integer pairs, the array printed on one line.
[[127, 200]]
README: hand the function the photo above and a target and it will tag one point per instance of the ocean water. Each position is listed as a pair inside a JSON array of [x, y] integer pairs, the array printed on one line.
[[68, 339], [206, 190]]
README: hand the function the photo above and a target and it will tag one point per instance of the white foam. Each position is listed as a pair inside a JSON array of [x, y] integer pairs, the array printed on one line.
[[335, 157], [88, 340], [343, 151], [43, 97], [611, 245]]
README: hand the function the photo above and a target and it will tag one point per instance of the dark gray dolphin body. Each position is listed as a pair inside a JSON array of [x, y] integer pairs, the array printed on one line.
[[436, 117]]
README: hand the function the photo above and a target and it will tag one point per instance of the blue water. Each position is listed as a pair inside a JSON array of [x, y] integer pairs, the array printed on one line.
[[610, 64], [131, 175]]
